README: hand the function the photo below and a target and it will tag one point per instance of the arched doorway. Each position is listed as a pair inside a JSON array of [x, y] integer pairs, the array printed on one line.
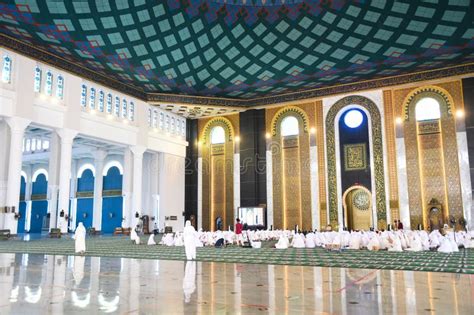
[[85, 198], [357, 201], [112, 202], [22, 205], [39, 204]]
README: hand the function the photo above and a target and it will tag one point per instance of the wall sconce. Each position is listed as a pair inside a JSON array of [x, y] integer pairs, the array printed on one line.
[[237, 139], [459, 113], [84, 215], [312, 130], [398, 120], [111, 215], [267, 135]]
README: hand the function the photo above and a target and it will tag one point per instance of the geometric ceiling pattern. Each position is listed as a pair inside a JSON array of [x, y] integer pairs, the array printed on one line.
[[245, 49]]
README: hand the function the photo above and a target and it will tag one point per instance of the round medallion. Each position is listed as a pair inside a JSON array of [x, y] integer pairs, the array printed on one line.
[[361, 200]]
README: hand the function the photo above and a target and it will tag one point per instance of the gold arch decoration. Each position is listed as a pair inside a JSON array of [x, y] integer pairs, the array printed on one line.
[[218, 121], [286, 111], [377, 149], [441, 95]]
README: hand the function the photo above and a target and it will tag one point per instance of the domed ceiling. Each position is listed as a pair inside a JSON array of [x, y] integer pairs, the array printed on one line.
[[245, 53]]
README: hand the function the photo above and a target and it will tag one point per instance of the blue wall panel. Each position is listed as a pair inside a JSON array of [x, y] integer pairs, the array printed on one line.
[[111, 213], [22, 219], [39, 209], [85, 206], [86, 181], [40, 186], [113, 180]]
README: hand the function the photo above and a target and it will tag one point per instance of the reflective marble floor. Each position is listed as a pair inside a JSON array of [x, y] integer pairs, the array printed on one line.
[[42, 284]]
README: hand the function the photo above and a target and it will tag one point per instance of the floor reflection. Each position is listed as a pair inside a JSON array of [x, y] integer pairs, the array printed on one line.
[[61, 284]]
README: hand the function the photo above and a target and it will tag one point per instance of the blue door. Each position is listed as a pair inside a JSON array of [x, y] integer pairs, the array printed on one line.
[[112, 205], [39, 211], [39, 205], [85, 206], [84, 213], [22, 219], [22, 207], [111, 213]]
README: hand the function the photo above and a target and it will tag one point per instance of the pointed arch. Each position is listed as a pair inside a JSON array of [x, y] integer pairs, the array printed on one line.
[[218, 121], [287, 111]]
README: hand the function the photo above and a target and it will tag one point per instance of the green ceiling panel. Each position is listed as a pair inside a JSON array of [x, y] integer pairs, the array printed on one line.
[[244, 49]]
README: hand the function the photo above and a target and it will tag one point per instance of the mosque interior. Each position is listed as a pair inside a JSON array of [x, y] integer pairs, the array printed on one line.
[[301, 118]]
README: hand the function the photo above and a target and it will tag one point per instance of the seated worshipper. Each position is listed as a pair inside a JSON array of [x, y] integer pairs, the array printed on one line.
[[336, 243], [446, 246], [283, 242], [178, 239], [220, 241], [469, 241], [151, 240], [394, 244], [298, 241], [355, 240], [415, 244], [310, 240], [167, 240], [374, 243], [190, 236], [134, 237], [80, 239]]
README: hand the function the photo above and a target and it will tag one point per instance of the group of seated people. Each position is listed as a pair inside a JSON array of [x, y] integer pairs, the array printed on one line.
[[397, 241]]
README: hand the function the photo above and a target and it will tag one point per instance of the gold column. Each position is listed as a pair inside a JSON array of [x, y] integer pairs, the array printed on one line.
[[391, 154], [321, 163]]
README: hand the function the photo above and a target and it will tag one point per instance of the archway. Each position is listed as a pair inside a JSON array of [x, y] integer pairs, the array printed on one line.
[[39, 205], [85, 198], [357, 202]]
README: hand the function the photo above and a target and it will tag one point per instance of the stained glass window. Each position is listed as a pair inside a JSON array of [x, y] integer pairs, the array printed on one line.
[[124, 108], [37, 84], [117, 107], [289, 126], [100, 106], [83, 95], [7, 69], [60, 87], [217, 135], [427, 109], [109, 103], [48, 87], [92, 99], [131, 112]]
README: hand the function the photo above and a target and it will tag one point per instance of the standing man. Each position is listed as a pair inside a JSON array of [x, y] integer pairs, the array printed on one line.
[[238, 232], [219, 223], [400, 225]]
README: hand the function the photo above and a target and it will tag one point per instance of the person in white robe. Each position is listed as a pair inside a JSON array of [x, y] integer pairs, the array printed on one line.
[[189, 280], [80, 239], [190, 237], [310, 240], [355, 240], [151, 240], [283, 242], [298, 241], [415, 244], [178, 239], [374, 243], [395, 245], [446, 246], [134, 237]]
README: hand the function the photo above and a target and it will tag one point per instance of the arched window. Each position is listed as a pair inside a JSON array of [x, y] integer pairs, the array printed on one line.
[[183, 128], [100, 106], [173, 122], [427, 109], [33, 144], [167, 123], [48, 87], [37, 84], [149, 117], [162, 121], [28, 145], [117, 106], [109, 103], [92, 99], [217, 135], [83, 95], [7, 69], [155, 118], [45, 144], [124, 108], [131, 112], [289, 126], [60, 87]]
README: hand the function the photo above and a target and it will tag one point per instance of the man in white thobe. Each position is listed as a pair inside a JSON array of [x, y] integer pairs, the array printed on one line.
[[189, 235], [80, 239]]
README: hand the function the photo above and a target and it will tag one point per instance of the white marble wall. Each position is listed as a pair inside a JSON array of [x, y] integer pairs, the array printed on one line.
[[269, 189], [465, 175]]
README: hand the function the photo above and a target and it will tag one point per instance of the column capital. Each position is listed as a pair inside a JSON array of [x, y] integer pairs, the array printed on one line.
[[138, 151], [66, 135], [17, 124]]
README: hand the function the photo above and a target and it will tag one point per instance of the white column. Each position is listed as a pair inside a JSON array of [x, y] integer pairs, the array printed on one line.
[[137, 182], [236, 186], [99, 157], [72, 196], [126, 188], [53, 178], [17, 130], [67, 138], [28, 189], [269, 189], [313, 158], [199, 195]]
